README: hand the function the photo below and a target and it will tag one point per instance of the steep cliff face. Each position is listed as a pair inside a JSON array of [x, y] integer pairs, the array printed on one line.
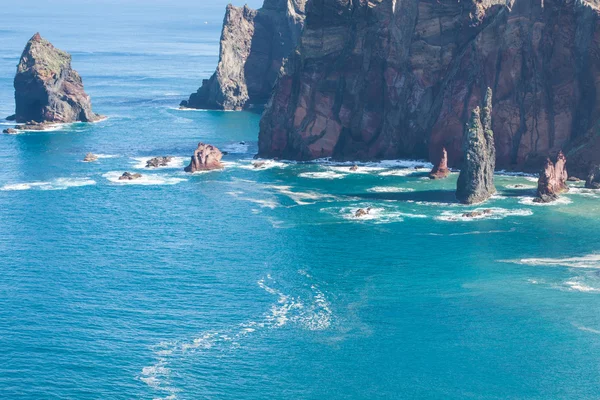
[[47, 89], [254, 44], [398, 78]]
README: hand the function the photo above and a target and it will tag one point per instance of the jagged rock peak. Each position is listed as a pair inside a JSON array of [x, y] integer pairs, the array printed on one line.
[[47, 89], [254, 46], [476, 180], [553, 179], [440, 170]]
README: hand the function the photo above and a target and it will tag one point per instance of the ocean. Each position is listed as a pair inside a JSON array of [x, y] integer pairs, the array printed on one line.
[[259, 283]]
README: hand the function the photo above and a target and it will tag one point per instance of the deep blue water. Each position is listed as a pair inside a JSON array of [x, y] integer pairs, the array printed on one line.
[[260, 284]]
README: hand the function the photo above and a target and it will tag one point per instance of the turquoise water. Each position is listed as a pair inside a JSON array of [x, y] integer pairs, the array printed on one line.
[[259, 283]]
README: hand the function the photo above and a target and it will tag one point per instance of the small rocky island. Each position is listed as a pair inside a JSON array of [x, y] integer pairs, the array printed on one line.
[[476, 179], [206, 158], [440, 170], [553, 179], [47, 90]]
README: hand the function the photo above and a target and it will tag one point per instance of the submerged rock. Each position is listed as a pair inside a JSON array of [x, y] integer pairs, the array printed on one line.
[[476, 180], [158, 162], [10, 131], [206, 157], [258, 164], [441, 171], [47, 89], [90, 157], [127, 176], [593, 179], [553, 180], [354, 168], [254, 46]]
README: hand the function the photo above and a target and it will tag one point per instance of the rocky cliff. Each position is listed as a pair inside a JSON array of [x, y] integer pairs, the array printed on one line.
[[476, 180], [47, 89], [398, 78], [254, 45]]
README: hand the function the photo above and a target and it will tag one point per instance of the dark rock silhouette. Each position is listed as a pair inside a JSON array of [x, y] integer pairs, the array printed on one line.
[[254, 46], [593, 179], [158, 162], [476, 180], [127, 176]]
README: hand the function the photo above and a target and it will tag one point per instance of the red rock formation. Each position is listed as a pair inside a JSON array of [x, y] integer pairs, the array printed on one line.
[[552, 180], [206, 157], [440, 170], [389, 79]]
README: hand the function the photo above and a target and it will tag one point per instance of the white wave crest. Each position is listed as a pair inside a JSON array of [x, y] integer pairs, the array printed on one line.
[[261, 165], [175, 163], [588, 261], [482, 213], [322, 175], [145, 180], [302, 198], [389, 189], [56, 184], [529, 201]]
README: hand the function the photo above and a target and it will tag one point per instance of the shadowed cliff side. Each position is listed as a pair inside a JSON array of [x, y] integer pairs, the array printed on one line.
[[389, 79], [254, 44]]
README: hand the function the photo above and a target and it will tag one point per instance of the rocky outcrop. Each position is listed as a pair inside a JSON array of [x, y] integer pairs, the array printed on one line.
[[206, 157], [593, 179], [397, 78], [553, 180], [158, 162], [440, 170], [128, 176], [254, 45], [47, 89], [476, 180], [90, 157]]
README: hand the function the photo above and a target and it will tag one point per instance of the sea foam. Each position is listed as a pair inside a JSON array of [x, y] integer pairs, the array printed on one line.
[[145, 180]]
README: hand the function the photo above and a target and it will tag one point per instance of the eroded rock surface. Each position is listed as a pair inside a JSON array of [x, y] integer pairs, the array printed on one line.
[[440, 170], [206, 157], [385, 79], [553, 180], [254, 45], [476, 180], [593, 179], [47, 89], [158, 162]]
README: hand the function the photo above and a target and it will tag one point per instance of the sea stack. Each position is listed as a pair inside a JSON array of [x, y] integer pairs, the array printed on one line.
[[476, 179], [47, 89], [206, 157], [553, 180], [441, 171], [254, 46], [593, 179]]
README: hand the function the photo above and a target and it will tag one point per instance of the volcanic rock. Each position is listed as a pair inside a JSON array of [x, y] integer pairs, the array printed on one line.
[[361, 212], [47, 89], [441, 171], [476, 180], [552, 180], [254, 46], [206, 157], [129, 176], [158, 162], [388, 79], [90, 157], [593, 179]]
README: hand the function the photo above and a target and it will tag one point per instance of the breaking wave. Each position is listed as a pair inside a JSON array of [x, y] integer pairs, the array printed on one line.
[[591, 261], [57, 184], [145, 180], [482, 213]]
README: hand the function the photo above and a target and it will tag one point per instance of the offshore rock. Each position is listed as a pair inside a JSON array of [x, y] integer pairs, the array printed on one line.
[[127, 176], [47, 89], [90, 157], [158, 162], [441, 171], [593, 179], [387, 79], [476, 180], [206, 157], [254, 46], [553, 180]]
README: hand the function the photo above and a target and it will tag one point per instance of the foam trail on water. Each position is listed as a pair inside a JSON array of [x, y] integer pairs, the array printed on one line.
[[56, 184], [322, 175], [591, 261], [145, 180], [312, 313]]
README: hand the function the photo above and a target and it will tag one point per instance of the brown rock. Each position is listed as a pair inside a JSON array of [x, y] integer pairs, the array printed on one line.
[[258, 164], [361, 212], [552, 180], [129, 176], [441, 171], [10, 131], [354, 168], [47, 89], [390, 79], [90, 157], [206, 157]]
